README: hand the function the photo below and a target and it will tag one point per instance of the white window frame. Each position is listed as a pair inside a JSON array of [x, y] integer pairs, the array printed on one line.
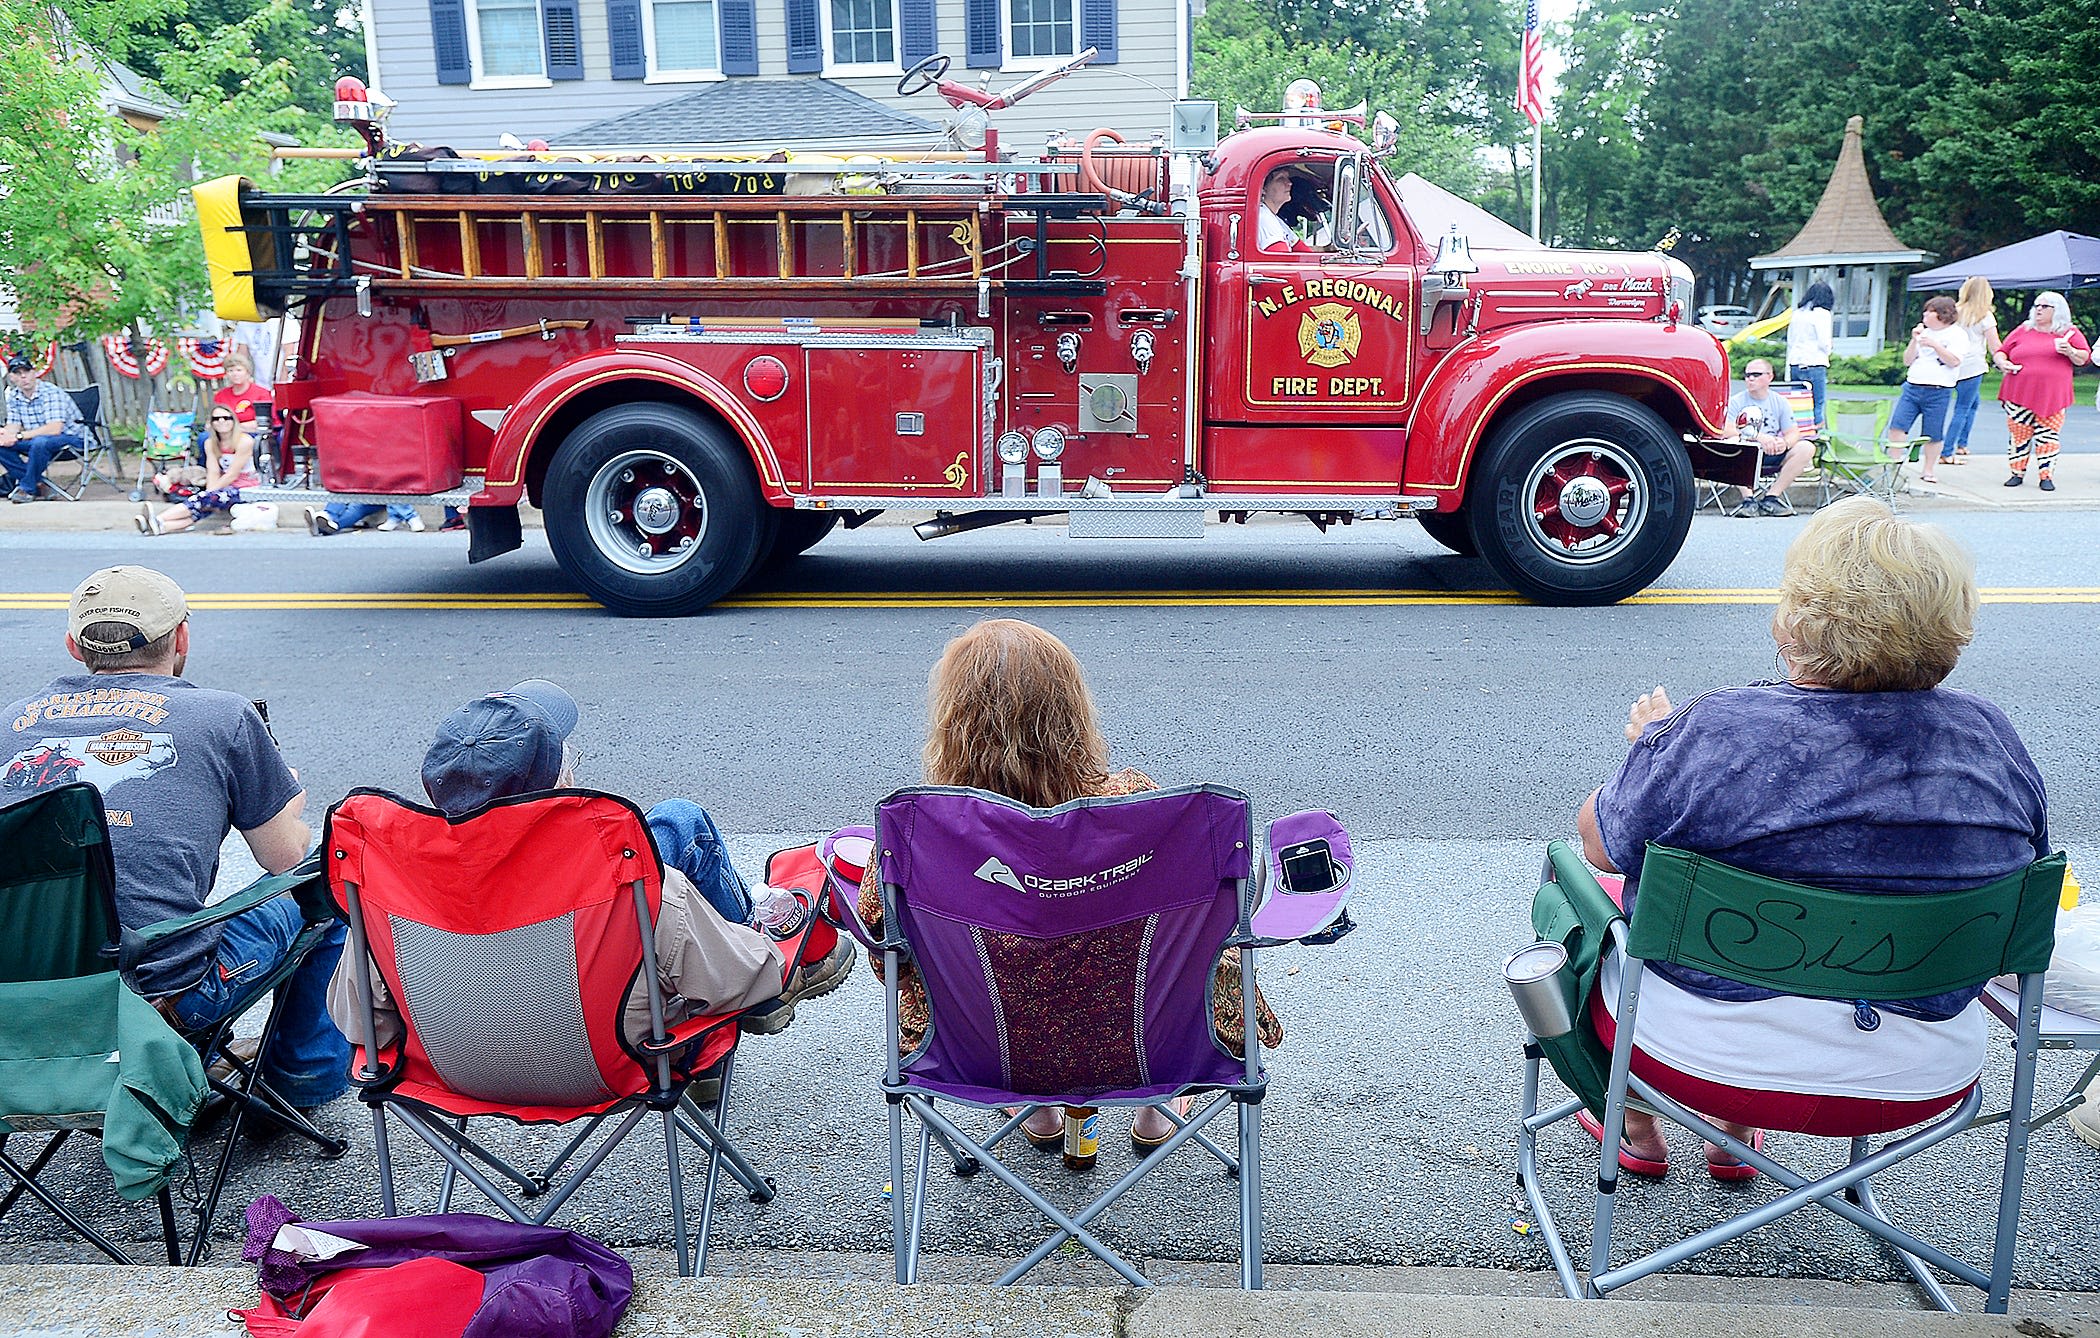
[[477, 79], [662, 76], [874, 67], [1009, 61]]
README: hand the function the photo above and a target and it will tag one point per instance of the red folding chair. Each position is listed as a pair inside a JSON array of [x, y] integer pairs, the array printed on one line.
[[509, 940]]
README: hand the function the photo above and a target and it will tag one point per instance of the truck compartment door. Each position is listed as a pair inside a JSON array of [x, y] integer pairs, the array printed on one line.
[[890, 419]]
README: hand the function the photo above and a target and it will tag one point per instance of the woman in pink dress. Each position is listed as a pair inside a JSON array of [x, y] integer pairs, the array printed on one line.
[[2037, 358]]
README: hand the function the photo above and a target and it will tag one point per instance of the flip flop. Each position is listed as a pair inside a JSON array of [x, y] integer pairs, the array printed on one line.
[[1042, 1142], [1142, 1147], [1629, 1162], [1733, 1170]]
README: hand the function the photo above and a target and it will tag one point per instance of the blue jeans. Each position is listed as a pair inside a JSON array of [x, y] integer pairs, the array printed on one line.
[[686, 840], [1924, 405], [349, 514], [1967, 392], [29, 456], [1818, 379], [308, 1062]]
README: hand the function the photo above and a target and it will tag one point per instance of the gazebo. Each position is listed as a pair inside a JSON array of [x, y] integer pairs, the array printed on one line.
[[1847, 244]]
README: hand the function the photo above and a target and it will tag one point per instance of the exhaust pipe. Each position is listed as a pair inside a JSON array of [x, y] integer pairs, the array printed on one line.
[[941, 526]]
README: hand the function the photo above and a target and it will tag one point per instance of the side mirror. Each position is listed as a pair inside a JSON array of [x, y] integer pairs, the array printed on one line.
[[1348, 189]]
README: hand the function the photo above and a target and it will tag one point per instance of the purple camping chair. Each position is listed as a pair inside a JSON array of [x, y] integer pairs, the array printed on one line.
[[1066, 955]]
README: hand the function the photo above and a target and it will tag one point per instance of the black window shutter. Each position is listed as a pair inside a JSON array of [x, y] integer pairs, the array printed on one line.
[[805, 38], [562, 24], [981, 23], [739, 36], [1097, 28], [918, 34], [623, 31], [448, 38]]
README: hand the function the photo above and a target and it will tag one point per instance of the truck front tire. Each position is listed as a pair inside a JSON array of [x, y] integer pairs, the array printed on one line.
[[653, 510], [1452, 529], [1582, 498]]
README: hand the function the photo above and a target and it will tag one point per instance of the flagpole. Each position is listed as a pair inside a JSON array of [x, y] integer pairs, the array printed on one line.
[[1536, 129]]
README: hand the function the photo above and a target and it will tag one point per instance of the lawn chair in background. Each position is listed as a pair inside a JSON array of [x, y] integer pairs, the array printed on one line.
[[1067, 956], [509, 940], [1852, 455], [1924, 945], [98, 458], [168, 445]]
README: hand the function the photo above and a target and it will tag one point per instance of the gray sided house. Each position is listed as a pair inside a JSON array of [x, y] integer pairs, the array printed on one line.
[[463, 72]]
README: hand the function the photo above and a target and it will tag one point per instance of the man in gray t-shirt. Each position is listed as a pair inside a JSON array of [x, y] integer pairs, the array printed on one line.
[[179, 766], [1761, 416]]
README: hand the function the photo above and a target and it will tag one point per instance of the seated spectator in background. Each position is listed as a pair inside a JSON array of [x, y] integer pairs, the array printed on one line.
[[42, 420], [710, 957], [1856, 772], [242, 392], [1934, 356], [229, 466], [339, 516], [1768, 420], [178, 766], [1009, 712]]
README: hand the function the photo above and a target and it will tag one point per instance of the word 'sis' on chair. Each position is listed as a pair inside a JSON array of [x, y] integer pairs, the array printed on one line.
[[1852, 456], [1805, 941], [81, 1053], [508, 939], [1067, 957]]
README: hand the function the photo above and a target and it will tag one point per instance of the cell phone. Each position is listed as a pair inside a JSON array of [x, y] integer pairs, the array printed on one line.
[[1308, 867]]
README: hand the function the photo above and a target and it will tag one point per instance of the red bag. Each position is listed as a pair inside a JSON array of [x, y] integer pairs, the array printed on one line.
[[389, 443]]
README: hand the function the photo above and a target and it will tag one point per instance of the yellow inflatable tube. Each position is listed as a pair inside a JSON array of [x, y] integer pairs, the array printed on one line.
[[226, 254]]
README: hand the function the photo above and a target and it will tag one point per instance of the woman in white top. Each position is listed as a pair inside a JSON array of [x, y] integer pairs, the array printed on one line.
[[1808, 342], [1972, 312], [1271, 233]]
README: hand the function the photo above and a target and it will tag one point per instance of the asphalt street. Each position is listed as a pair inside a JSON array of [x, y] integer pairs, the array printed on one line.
[[1364, 671]]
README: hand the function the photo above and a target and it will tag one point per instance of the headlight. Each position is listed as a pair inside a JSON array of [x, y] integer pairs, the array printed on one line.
[[1680, 287], [1012, 447], [1049, 443]]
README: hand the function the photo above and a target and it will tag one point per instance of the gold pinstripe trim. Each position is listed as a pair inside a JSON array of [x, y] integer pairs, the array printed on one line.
[[755, 441]]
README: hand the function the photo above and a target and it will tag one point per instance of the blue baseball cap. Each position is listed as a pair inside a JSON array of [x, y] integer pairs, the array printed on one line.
[[506, 743]]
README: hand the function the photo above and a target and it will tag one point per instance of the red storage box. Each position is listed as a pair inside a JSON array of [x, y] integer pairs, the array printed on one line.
[[389, 443]]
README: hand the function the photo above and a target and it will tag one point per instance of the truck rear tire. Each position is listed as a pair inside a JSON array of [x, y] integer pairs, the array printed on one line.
[[1582, 498], [1452, 529], [653, 510]]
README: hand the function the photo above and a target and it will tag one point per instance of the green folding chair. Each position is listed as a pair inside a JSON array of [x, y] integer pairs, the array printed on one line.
[[80, 1053], [1852, 456], [1699, 913]]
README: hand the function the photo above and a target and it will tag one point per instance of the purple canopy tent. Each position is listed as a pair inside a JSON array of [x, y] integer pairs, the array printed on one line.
[[2059, 259]]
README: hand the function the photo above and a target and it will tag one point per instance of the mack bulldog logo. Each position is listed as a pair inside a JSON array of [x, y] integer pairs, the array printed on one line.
[[1329, 334], [103, 761]]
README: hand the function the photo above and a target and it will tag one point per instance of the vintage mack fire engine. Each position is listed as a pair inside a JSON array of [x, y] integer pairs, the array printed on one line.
[[697, 366]]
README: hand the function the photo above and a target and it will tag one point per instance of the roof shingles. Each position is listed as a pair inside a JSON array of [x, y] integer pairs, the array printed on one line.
[[742, 110]]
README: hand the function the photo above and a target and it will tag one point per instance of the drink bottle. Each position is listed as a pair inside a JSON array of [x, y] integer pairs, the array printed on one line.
[[1082, 1137], [779, 912]]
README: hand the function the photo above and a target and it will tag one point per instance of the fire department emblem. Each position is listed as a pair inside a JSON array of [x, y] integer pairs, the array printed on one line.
[[1328, 334]]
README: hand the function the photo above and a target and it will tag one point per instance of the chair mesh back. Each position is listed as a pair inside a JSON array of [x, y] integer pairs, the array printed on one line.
[[501, 1015], [1067, 952], [58, 914]]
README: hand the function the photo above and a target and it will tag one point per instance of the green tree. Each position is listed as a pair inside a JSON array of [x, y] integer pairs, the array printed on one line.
[[1593, 138], [321, 39], [95, 222]]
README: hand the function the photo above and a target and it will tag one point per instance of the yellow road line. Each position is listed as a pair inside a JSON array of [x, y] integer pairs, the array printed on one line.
[[1368, 598]]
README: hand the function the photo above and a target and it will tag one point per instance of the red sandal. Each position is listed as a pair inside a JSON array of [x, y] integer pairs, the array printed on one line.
[[1629, 1161], [1733, 1170]]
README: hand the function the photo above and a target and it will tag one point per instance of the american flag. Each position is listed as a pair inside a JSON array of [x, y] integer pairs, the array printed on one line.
[[1531, 68]]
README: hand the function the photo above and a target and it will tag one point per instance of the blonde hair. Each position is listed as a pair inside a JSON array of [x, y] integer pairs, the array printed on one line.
[[1873, 602], [1008, 711], [1975, 302], [242, 361]]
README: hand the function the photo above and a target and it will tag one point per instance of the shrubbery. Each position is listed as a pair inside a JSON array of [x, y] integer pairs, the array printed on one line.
[[1881, 369]]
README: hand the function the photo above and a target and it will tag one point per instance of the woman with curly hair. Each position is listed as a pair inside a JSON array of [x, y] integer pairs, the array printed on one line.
[[1008, 711], [1858, 771]]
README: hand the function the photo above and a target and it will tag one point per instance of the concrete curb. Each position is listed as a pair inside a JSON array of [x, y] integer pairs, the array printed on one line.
[[77, 1301]]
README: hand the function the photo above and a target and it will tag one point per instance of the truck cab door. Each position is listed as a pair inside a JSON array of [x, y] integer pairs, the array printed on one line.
[[1327, 332]]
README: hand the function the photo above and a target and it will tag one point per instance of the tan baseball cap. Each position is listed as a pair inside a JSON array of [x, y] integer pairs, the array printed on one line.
[[138, 597]]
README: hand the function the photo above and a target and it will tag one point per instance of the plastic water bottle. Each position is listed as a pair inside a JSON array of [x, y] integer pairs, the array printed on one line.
[[1082, 1137], [779, 912]]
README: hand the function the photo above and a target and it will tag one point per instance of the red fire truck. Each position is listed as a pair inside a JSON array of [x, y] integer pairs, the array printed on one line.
[[699, 366]]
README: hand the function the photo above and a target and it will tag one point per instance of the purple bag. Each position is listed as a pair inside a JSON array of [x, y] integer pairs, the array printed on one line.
[[537, 1281]]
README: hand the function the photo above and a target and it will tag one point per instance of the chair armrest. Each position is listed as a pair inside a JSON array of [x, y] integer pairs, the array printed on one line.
[[1294, 914], [681, 1034], [307, 882], [841, 903]]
